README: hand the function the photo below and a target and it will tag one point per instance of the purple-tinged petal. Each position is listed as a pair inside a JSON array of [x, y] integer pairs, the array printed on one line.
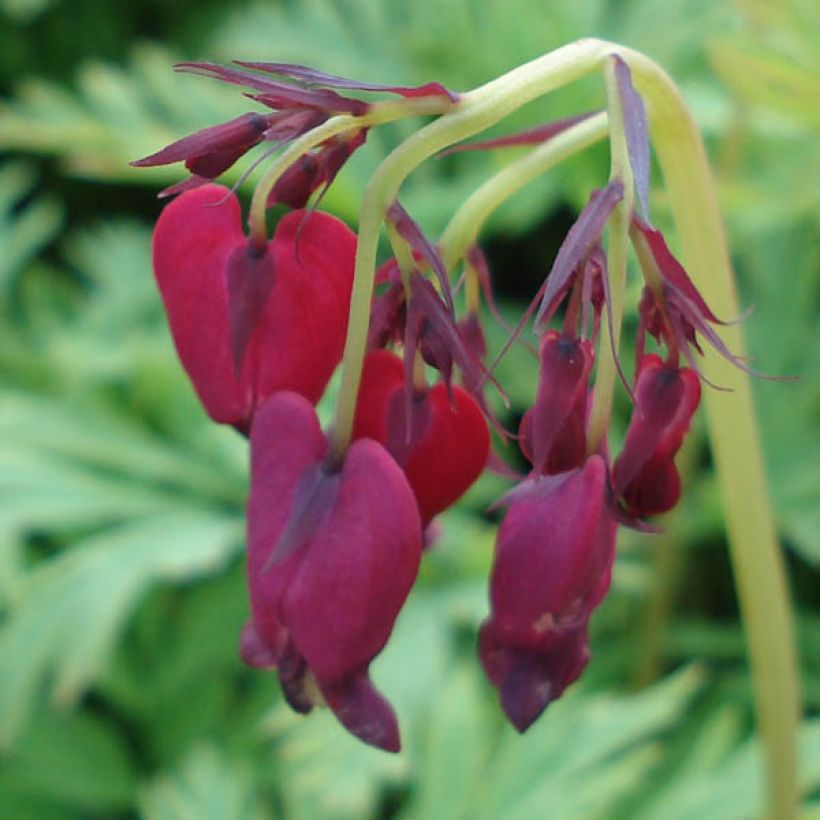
[[312, 76], [411, 233], [580, 239], [528, 681], [188, 184], [278, 95], [254, 651], [672, 272], [552, 566], [644, 475], [251, 275], [531, 136], [636, 130], [364, 712], [558, 431], [212, 150], [551, 552], [338, 595]]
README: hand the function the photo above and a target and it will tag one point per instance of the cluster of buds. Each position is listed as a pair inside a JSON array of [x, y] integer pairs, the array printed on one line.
[[338, 520]]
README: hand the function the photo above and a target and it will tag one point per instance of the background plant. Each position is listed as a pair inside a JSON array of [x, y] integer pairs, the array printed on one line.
[[121, 583]]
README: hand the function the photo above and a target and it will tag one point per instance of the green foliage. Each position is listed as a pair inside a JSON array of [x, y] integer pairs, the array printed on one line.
[[121, 579]]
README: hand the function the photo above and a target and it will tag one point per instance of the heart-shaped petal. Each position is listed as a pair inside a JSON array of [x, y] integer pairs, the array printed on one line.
[[448, 442], [294, 341], [327, 606]]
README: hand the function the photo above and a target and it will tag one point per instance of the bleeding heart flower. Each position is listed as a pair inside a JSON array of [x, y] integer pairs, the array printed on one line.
[[552, 566], [645, 476], [446, 447], [249, 321], [332, 555]]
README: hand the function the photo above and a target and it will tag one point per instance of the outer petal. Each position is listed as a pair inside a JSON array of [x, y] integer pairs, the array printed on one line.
[[451, 454], [644, 474], [450, 442], [341, 605], [550, 554], [286, 440], [194, 236], [300, 337]]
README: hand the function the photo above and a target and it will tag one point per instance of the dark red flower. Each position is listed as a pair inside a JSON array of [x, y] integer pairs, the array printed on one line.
[[553, 433], [332, 555], [248, 321], [444, 448], [552, 566], [644, 476]]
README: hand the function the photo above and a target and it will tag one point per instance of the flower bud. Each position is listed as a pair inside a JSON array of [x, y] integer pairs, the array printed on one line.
[[553, 432]]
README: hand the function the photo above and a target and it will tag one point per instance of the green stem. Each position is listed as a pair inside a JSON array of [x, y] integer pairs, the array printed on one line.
[[617, 252], [755, 553], [259, 203], [463, 229], [378, 114], [476, 111]]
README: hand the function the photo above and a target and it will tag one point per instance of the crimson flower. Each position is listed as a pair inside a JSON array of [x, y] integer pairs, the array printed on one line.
[[248, 321], [332, 553]]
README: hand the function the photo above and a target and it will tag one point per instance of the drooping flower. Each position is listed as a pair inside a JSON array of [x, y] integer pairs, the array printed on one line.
[[332, 553], [552, 566], [552, 434], [644, 476], [444, 447], [248, 321]]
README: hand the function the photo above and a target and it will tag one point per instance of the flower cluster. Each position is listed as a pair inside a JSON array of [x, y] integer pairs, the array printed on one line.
[[338, 520]]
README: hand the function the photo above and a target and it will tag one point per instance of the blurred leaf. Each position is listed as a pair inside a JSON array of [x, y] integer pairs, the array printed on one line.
[[71, 761], [75, 605], [25, 228], [207, 786]]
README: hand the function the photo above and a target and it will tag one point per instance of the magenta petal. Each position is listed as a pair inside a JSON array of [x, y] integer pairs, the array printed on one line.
[[254, 651], [528, 681], [559, 415], [552, 566], [193, 240], [288, 329], [364, 712]]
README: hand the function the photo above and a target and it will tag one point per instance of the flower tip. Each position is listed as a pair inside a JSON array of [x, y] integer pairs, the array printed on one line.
[[365, 713]]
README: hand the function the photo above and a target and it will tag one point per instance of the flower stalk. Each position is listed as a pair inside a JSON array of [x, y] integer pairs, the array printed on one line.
[[755, 553]]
